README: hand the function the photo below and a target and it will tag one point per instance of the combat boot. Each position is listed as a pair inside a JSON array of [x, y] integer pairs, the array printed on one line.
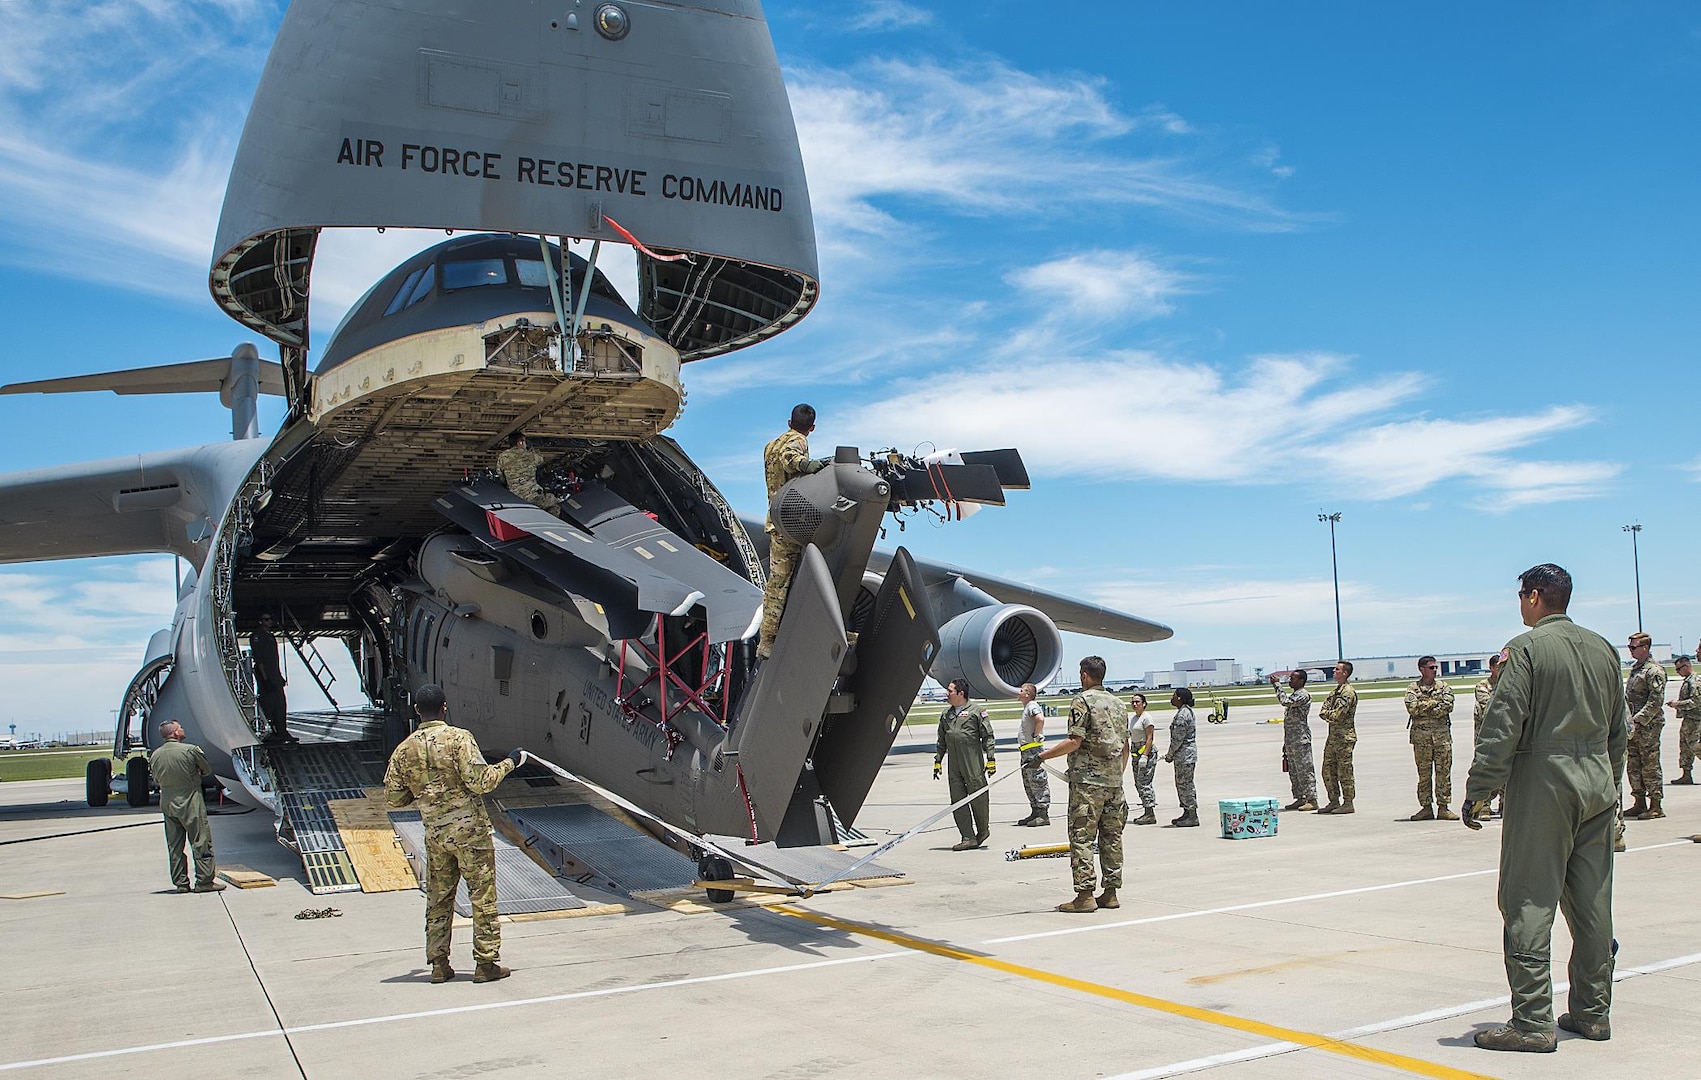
[[489, 972], [1346, 808], [1653, 810], [1188, 820], [1618, 842], [1444, 814], [1331, 808], [1507, 1037], [1637, 808], [1685, 780], [1029, 820], [1107, 899], [441, 972], [1426, 814], [1082, 904], [1295, 805], [1148, 818], [1306, 806], [209, 886], [1041, 821], [1594, 1031]]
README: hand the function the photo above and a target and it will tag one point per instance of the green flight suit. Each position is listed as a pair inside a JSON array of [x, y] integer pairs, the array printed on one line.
[[965, 735], [1553, 736], [179, 767]]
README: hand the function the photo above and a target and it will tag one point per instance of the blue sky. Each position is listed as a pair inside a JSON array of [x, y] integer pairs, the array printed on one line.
[[1210, 267]]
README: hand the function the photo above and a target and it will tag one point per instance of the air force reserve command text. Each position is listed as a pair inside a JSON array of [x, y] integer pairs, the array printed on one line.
[[484, 165]]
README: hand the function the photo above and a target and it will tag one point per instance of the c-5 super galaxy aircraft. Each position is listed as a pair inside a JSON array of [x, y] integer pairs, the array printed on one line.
[[615, 637]]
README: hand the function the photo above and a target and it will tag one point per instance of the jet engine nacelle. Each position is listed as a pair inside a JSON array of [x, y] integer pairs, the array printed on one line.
[[998, 648]]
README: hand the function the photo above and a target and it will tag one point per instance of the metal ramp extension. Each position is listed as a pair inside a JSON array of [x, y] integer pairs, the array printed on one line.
[[522, 886], [305, 778], [588, 846]]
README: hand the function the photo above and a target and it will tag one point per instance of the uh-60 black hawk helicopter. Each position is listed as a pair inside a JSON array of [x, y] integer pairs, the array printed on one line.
[[615, 638]]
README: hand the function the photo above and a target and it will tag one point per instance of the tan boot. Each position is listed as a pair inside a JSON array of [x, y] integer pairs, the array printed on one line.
[[1653, 810], [1426, 814], [441, 972], [1345, 808], [1107, 899], [489, 972], [1593, 1030], [1507, 1037], [1637, 808], [1082, 904], [1442, 813]]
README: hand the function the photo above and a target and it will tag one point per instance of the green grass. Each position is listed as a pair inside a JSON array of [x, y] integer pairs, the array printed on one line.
[[51, 764]]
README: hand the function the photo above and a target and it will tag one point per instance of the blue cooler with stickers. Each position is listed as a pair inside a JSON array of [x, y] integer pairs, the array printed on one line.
[[1244, 819]]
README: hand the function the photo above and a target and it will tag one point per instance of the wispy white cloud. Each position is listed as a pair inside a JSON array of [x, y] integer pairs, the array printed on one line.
[[1278, 419], [889, 15], [984, 137], [1105, 285]]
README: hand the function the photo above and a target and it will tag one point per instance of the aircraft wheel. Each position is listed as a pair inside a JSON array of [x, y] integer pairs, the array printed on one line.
[[716, 868], [99, 776], [136, 781]]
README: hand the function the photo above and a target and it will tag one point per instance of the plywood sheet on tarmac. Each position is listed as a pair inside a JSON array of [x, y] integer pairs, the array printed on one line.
[[364, 825]]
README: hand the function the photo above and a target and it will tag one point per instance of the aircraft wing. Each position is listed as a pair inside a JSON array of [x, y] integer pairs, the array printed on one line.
[[1077, 616], [168, 501]]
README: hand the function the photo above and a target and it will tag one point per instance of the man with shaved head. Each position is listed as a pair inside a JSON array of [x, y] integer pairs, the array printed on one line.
[[179, 767]]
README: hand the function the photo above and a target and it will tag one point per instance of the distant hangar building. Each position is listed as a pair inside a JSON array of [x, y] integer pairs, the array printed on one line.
[[1367, 668], [1221, 671]]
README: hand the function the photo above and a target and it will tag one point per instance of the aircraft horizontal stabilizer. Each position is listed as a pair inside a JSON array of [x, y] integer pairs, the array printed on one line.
[[190, 377]]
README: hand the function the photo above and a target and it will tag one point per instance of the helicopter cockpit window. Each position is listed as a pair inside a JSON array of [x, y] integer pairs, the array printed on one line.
[[533, 273], [473, 273]]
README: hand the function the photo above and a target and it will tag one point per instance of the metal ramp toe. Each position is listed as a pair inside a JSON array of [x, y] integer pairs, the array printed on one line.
[[522, 886], [305, 777], [586, 845]]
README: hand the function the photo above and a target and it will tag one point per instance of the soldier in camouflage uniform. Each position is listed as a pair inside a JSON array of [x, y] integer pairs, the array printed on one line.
[[1143, 749], [784, 459], [1484, 694], [1644, 696], [518, 465], [1339, 711], [1097, 747], [965, 733], [1030, 740], [1184, 754], [1296, 740], [180, 767], [1688, 709], [1429, 712], [441, 768]]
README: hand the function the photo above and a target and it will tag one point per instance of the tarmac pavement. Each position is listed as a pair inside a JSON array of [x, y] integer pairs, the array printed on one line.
[[1343, 947]]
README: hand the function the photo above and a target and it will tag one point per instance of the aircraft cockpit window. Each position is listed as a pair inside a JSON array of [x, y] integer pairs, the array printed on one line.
[[474, 273], [533, 273], [400, 300]]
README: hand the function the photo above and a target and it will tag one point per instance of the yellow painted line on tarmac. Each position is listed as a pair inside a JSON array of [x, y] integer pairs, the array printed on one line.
[[1415, 1066]]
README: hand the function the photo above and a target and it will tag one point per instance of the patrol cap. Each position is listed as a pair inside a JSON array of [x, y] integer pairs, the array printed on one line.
[[429, 700], [1639, 638]]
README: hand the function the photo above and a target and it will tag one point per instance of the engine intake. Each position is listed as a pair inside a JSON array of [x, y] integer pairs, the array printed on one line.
[[999, 648]]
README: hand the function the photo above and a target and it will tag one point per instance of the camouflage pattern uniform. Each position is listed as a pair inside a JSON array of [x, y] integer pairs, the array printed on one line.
[[1689, 711], [966, 735], [1339, 710], [179, 767], [1645, 697], [1184, 752], [1429, 710], [518, 466], [1484, 694], [1097, 808], [441, 768], [783, 460], [1145, 765], [1296, 742], [1034, 782]]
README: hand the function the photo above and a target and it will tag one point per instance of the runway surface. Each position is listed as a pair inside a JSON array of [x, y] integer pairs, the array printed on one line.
[[1343, 947]]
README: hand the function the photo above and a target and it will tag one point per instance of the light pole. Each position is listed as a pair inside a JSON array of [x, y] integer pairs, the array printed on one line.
[[1636, 561], [1335, 569]]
